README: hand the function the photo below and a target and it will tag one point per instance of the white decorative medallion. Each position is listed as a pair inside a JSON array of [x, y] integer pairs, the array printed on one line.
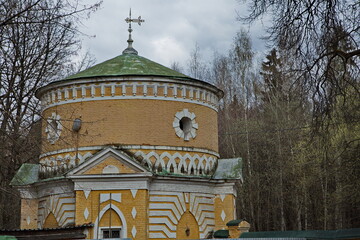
[[53, 128], [223, 215], [133, 212], [86, 213], [133, 231], [110, 169], [185, 125]]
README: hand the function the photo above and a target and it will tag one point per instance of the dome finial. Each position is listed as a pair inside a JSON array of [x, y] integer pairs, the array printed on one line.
[[130, 49]]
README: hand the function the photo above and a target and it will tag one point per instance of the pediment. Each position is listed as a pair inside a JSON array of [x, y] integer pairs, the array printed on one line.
[[108, 161]]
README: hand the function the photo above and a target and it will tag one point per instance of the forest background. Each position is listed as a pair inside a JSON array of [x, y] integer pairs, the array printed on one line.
[[293, 117]]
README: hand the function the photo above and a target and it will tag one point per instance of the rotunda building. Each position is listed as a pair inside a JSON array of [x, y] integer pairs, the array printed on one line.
[[164, 119], [129, 150]]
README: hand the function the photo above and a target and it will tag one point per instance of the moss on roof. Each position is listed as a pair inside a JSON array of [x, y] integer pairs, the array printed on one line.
[[27, 174], [126, 65]]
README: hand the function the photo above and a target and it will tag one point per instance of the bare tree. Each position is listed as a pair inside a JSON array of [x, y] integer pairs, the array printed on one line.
[[321, 35], [37, 41], [196, 66], [176, 66]]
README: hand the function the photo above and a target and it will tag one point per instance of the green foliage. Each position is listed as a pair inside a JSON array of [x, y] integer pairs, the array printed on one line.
[[297, 174]]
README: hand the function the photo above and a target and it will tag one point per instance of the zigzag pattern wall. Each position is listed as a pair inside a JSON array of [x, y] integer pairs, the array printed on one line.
[[167, 208]]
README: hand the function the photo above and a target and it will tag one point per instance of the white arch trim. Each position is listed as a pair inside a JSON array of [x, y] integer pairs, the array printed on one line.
[[119, 213]]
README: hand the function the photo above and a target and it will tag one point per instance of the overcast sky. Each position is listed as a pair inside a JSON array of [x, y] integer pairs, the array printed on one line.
[[171, 29]]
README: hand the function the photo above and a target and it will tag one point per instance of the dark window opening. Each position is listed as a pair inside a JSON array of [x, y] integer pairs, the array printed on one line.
[[182, 169], [185, 124], [111, 233]]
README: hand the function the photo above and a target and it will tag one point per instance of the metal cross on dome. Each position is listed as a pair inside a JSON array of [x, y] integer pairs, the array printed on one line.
[[130, 49], [129, 20]]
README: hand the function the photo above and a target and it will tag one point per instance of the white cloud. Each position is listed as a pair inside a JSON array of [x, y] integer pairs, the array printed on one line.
[[166, 50], [170, 30]]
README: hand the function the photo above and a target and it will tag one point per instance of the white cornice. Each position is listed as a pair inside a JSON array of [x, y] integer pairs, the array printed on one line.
[[159, 79], [129, 147]]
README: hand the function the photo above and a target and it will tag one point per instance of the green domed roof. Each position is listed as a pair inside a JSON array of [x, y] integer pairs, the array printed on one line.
[[126, 65]]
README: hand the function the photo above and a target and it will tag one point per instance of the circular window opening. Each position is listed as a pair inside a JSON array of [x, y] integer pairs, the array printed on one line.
[[185, 124]]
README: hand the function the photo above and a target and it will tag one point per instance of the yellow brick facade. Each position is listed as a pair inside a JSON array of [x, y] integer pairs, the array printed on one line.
[[129, 122], [29, 212], [136, 164], [111, 161], [129, 201]]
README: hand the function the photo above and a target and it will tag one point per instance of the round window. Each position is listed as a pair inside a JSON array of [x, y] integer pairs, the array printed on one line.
[[185, 125]]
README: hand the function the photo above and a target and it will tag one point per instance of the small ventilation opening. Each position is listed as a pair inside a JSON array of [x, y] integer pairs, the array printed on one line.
[[185, 124]]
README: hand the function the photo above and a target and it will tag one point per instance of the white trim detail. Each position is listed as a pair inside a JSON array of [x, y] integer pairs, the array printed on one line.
[[107, 196], [118, 91], [133, 231], [86, 213], [53, 128], [130, 147], [87, 193], [101, 156], [167, 208], [177, 163], [222, 197], [165, 211], [133, 213], [223, 215], [62, 206], [202, 207], [123, 231], [133, 192], [185, 125], [56, 163]]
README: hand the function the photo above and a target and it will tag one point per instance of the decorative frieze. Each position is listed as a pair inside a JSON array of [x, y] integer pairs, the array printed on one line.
[[177, 163], [61, 163], [139, 90]]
